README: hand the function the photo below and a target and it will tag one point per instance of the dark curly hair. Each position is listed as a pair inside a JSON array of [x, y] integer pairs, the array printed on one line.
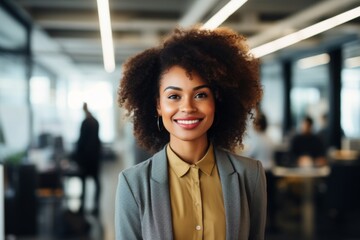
[[221, 57]]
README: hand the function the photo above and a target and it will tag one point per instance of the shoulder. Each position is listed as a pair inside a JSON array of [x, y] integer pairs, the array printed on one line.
[[241, 160], [240, 164], [138, 171], [133, 181], [249, 171], [143, 171]]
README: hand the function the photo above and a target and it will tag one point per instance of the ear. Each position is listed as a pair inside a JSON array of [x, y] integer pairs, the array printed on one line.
[[158, 108]]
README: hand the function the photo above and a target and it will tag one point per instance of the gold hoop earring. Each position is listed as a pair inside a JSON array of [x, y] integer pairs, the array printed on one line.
[[158, 123]]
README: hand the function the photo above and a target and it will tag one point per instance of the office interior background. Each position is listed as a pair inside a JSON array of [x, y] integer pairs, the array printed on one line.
[[51, 61]]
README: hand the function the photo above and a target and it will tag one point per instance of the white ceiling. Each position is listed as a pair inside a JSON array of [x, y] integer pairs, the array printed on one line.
[[71, 29]]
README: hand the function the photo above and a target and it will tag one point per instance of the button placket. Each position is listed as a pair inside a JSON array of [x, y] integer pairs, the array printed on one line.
[[197, 200]]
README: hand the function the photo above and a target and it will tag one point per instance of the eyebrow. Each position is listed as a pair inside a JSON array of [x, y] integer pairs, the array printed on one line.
[[180, 89]]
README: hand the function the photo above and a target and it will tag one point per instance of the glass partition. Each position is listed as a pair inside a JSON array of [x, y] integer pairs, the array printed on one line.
[[14, 112], [310, 88], [98, 94], [14, 117], [272, 103], [350, 91], [13, 36], [43, 103]]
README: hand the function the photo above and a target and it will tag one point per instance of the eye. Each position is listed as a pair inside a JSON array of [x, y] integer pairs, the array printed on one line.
[[174, 96], [201, 95]]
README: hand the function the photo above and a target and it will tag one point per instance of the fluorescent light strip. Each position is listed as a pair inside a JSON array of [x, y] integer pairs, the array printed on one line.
[[313, 61], [223, 14], [352, 62], [106, 35], [305, 33]]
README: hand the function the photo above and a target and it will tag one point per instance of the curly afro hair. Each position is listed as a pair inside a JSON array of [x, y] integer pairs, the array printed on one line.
[[221, 57]]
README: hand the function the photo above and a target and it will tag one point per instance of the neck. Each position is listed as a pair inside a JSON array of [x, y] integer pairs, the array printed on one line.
[[190, 151]]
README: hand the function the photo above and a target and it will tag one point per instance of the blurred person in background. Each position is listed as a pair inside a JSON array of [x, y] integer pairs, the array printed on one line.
[[88, 155], [261, 147], [189, 99], [306, 148], [324, 132]]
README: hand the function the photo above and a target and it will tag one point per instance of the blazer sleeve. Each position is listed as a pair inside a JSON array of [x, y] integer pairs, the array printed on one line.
[[258, 205], [127, 216]]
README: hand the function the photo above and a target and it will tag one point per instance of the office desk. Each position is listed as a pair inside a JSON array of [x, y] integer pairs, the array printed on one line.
[[53, 184], [307, 175]]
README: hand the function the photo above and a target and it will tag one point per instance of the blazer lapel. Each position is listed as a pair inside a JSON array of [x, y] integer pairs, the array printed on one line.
[[160, 196], [231, 193]]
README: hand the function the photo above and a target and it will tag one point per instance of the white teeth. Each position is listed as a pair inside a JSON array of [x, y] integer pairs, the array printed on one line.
[[187, 121]]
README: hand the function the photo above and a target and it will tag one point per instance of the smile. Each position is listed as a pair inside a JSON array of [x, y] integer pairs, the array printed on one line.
[[188, 122]]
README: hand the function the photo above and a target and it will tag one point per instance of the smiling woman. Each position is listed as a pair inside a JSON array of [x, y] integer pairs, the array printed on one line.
[[189, 99], [187, 107]]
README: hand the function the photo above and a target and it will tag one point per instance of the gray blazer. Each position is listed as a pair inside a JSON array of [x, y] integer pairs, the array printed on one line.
[[143, 208]]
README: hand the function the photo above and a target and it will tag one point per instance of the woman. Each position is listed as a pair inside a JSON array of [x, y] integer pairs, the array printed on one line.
[[189, 99]]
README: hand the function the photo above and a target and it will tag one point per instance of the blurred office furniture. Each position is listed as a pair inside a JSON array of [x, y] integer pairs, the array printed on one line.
[[107, 152], [20, 200], [53, 197], [343, 193], [36, 188], [45, 139], [329, 196], [307, 175], [281, 157], [49, 196], [350, 144]]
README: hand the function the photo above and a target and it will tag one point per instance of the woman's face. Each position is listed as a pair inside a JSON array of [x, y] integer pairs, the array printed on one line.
[[186, 104]]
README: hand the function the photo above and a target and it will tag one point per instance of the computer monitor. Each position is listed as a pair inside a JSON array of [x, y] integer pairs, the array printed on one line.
[[351, 144]]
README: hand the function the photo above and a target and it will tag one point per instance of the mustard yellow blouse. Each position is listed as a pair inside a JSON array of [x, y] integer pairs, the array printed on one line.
[[197, 203]]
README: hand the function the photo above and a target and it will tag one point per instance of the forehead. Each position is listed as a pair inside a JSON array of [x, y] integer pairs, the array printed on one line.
[[177, 75]]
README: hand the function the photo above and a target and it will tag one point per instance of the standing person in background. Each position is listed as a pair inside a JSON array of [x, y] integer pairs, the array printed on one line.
[[189, 99], [88, 151]]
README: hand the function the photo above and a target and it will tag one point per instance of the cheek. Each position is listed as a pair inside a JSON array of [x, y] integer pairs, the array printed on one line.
[[212, 113], [210, 109], [167, 109]]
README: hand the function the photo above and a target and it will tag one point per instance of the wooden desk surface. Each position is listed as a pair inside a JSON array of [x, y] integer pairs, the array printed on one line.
[[301, 171]]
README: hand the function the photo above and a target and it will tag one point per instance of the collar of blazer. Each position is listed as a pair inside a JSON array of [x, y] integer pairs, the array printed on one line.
[[159, 170]]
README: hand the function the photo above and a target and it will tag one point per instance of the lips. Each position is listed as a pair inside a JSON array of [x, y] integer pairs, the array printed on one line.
[[188, 123]]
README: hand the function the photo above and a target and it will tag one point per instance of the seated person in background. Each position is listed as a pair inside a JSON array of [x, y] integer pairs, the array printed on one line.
[[306, 147]]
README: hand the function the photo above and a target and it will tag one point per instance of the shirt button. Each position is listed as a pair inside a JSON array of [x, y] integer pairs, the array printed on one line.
[[198, 227]]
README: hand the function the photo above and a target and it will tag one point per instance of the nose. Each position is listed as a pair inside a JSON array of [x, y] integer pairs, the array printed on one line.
[[188, 105]]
